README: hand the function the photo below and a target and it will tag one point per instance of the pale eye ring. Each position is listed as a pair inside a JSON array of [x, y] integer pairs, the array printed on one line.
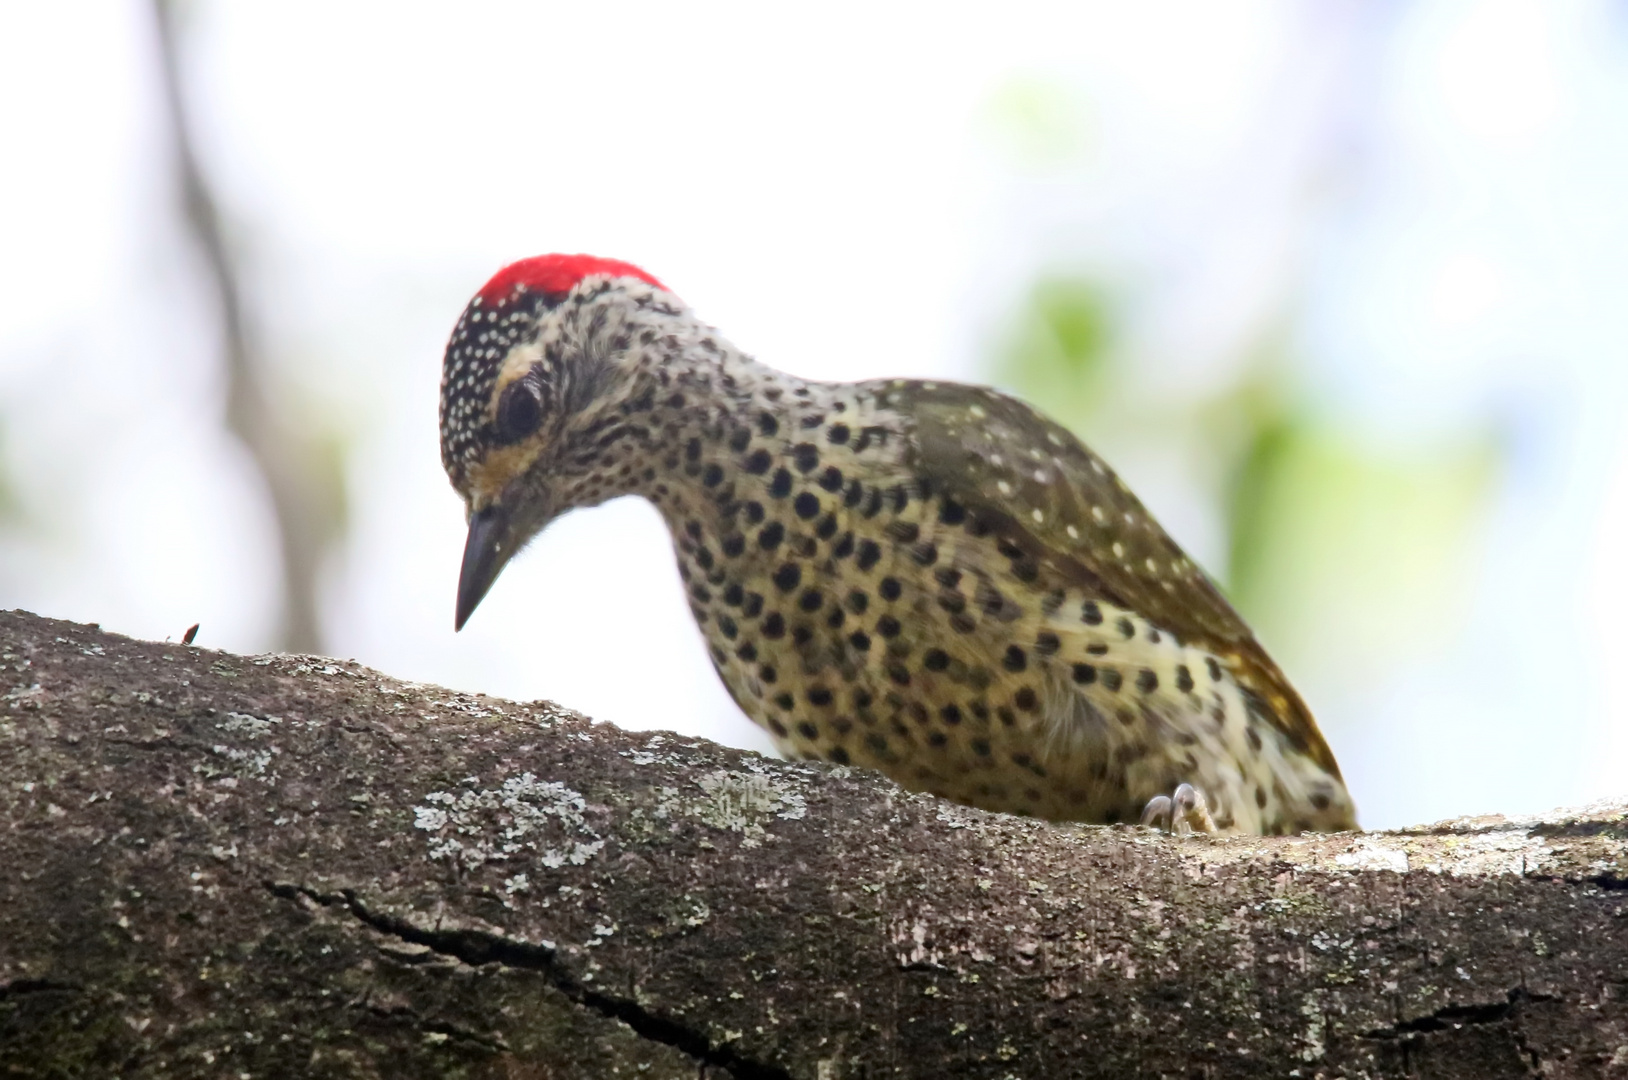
[[519, 411]]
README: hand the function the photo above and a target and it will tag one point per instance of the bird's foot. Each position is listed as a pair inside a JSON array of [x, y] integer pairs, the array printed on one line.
[[1183, 812]]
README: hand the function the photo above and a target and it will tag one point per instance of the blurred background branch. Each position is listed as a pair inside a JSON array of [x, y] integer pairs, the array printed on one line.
[[299, 468]]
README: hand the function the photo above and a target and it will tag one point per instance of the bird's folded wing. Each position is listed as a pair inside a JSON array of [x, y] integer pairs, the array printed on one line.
[[1032, 483]]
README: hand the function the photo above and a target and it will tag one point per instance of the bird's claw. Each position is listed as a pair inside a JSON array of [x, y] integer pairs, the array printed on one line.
[[1181, 813]]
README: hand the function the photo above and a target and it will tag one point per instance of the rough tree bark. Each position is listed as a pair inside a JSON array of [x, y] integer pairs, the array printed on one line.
[[277, 866]]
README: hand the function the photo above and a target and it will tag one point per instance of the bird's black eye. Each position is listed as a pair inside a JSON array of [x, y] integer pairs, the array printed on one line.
[[519, 411]]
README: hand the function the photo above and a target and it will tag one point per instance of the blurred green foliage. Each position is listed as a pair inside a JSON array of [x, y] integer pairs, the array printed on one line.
[[1344, 549], [1363, 542], [1042, 124], [1059, 352]]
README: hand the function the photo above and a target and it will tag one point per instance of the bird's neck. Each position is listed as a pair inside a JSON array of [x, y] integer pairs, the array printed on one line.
[[717, 441], [710, 405], [726, 439]]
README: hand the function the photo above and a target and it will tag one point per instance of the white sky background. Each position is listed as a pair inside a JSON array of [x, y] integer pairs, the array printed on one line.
[[1434, 194]]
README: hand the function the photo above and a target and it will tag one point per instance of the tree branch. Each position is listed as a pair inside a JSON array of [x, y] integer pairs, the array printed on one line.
[[302, 480], [290, 866]]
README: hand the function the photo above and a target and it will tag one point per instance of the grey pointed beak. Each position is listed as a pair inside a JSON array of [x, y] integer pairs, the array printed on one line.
[[485, 552]]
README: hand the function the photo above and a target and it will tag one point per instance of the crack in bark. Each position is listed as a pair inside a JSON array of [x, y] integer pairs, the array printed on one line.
[[477, 947], [21, 987], [1459, 1015]]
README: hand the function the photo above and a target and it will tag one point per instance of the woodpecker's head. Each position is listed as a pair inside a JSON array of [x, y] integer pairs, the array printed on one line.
[[537, 363]]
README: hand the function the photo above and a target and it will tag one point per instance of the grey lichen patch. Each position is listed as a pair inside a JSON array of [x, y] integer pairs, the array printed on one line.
[[1487, 846], [522, 815], [1506, 848], [249, 726], [742, 794], [739, 802], [25, 696], [1514, 851], [655, 752], [741, 797], [289, 664], [246, 764], [957, 816], [667, 752], [1370, 854]]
